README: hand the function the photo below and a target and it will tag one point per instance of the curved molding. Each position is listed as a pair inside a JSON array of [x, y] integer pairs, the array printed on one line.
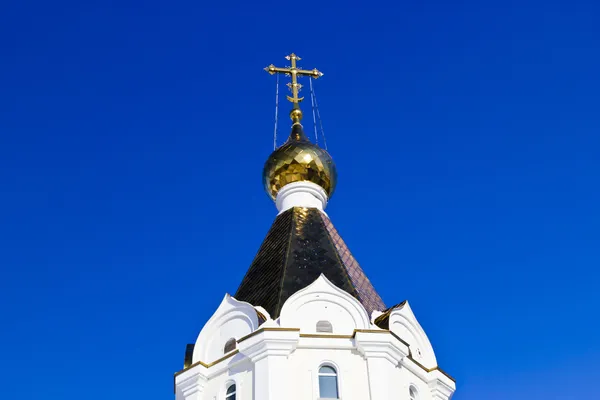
[[322, 300], [328, 362], [232, 319], [404, 324], [374, 315], [264, 313], [228, 382]]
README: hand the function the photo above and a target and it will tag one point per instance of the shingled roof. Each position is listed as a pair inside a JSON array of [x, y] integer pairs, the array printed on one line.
[[301, 245]]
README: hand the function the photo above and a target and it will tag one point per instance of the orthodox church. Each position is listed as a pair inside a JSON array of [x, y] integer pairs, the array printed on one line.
[[306, 323]]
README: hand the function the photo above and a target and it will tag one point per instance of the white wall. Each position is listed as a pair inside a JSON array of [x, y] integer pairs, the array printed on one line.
[[302, 367]]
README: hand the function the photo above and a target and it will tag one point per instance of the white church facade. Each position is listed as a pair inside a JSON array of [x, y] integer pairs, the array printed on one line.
[[306, 323]]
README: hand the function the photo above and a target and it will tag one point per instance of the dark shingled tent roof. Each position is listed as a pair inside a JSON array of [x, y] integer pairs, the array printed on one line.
[[301, 245]]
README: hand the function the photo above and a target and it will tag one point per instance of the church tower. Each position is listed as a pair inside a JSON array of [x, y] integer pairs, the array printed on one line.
[[306, 323]]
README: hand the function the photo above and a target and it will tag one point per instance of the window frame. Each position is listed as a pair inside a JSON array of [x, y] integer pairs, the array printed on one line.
[[338, 380], [412, 389], [329, 326], [228, 385], [226, 343]]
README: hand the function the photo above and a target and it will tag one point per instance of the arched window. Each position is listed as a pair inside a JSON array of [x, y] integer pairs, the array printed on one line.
[[230, 394], [328, 383], [229, 346], [324, 326], [412, 392]]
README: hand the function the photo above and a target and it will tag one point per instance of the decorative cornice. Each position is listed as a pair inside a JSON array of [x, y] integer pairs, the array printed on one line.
[[370, 344], [325, 336], [225, 357], [371, 331], [436, 368], [267, 329], [400, 339], [441, 389], [270, 342], [447, 375], [191, 384], [205, 365], [318, 336]]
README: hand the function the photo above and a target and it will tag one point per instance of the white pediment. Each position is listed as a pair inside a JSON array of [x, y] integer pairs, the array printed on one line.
[[322, 302]]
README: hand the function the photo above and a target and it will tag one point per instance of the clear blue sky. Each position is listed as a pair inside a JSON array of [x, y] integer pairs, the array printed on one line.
[[132, 138]]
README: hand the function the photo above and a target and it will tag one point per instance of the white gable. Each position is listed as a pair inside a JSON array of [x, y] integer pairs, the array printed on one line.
[[232, 320], [323, 301], [405, 325]]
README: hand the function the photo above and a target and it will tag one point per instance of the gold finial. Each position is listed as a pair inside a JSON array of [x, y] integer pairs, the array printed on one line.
[[294, 72]]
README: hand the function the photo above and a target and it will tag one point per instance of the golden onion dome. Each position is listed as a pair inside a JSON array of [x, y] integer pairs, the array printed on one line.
[[299, 160]]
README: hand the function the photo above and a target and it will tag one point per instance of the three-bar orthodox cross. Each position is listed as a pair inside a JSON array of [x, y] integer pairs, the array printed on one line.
[[294, 71]]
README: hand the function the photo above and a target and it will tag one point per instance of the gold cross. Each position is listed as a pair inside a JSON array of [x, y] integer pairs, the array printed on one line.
[[294, 72]]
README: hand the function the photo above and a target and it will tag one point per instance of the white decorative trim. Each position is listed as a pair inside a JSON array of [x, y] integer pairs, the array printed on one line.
[[190, 386], [269, 351], [403, 319], [382, 353], [317, 388], [263, 312], [378, 345], [301, 194], [228, 383], [212, 335], [441, 386], [269, 343], [323, 291], [374, 315], [413, 387], [415, 369]]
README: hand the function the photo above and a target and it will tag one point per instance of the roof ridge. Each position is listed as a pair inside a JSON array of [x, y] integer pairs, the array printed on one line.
[[337, 255], [371, 302], [286, 259]]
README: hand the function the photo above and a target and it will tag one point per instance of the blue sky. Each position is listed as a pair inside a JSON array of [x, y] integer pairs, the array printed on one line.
[[132, 138]]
